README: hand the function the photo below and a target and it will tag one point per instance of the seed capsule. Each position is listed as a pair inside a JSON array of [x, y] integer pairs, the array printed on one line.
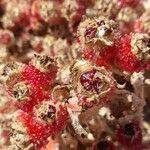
[[20, 91], [46, 112], [100, 32], [89, 80]]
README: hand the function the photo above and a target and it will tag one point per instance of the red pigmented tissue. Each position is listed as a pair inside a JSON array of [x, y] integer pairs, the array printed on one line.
[[74, 74], [90, 82]]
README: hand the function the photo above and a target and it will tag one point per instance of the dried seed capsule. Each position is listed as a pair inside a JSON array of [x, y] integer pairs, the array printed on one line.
[[20, 91], [42, 63], [91, 81], [29, 84], [46, 112], [140, 46], [10, 71], [25, 95], [100, 32]]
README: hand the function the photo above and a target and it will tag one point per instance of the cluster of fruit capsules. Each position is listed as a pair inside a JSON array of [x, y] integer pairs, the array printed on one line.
[[42, 108], [102, 44], [47, 91], [29, 87]]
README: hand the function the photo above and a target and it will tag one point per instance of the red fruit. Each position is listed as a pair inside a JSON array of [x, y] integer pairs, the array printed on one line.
[[28, 85], [133, 52], [100, 58], [41, 72], [36, 132], [26, 96], [35, 77], [48, 119], [130, 135], [34, 96]]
